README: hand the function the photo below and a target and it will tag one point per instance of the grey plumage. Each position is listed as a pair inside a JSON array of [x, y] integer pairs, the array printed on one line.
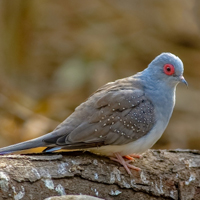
[[125, 116]]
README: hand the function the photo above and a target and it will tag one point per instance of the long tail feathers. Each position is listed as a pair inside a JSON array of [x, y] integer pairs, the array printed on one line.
[[22, 146], [47, 140]]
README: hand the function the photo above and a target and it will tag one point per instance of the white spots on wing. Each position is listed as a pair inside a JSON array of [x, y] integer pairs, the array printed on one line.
[[130, 118], [4, 181], [18, 195]]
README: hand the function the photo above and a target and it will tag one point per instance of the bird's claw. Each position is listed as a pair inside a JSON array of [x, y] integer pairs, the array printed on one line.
[[126, 165]]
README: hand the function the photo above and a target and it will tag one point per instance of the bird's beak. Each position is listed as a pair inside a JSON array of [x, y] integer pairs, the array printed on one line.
[[182, 80]]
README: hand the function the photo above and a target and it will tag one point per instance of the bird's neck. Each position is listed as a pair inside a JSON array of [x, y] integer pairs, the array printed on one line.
[[162, 95]]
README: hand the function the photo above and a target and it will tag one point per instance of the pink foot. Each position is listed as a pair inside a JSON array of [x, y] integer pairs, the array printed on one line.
[[125, 164], [135, 155], [132, 156]]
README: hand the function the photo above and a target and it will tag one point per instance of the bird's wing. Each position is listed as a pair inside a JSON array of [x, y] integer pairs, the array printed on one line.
[[118, 116]]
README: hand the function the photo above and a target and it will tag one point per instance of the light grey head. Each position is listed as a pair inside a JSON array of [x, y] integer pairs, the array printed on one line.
[[167, 68]]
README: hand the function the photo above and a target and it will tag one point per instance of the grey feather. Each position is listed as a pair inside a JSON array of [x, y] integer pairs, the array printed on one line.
[[118, 113]]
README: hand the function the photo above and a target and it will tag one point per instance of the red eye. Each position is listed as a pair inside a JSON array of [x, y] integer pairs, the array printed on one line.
[[169, 69]]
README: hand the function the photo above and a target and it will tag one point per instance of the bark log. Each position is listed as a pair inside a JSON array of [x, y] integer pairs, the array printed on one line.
[[172, 174]]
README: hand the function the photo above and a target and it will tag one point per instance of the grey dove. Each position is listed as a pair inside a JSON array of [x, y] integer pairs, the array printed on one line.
[[122, 118]]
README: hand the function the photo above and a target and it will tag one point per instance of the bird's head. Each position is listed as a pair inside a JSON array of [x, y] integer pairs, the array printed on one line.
[[167, 68]]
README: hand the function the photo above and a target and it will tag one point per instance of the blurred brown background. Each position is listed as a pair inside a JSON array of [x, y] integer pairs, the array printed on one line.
[[54, 54]]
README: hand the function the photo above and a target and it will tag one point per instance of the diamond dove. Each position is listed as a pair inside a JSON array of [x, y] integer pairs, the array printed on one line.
[[121, 119]]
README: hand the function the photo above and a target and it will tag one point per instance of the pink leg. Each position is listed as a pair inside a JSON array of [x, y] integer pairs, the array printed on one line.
[[125, 164], [132, 156], [135, 155]]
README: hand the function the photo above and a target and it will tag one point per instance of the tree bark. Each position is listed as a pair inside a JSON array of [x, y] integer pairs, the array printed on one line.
[[172, 174]]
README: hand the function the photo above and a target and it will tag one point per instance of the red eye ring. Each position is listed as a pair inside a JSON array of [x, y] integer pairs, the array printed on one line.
[[169, 69]]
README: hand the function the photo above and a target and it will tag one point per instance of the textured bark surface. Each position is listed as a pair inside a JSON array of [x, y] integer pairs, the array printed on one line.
[[172, 174]]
